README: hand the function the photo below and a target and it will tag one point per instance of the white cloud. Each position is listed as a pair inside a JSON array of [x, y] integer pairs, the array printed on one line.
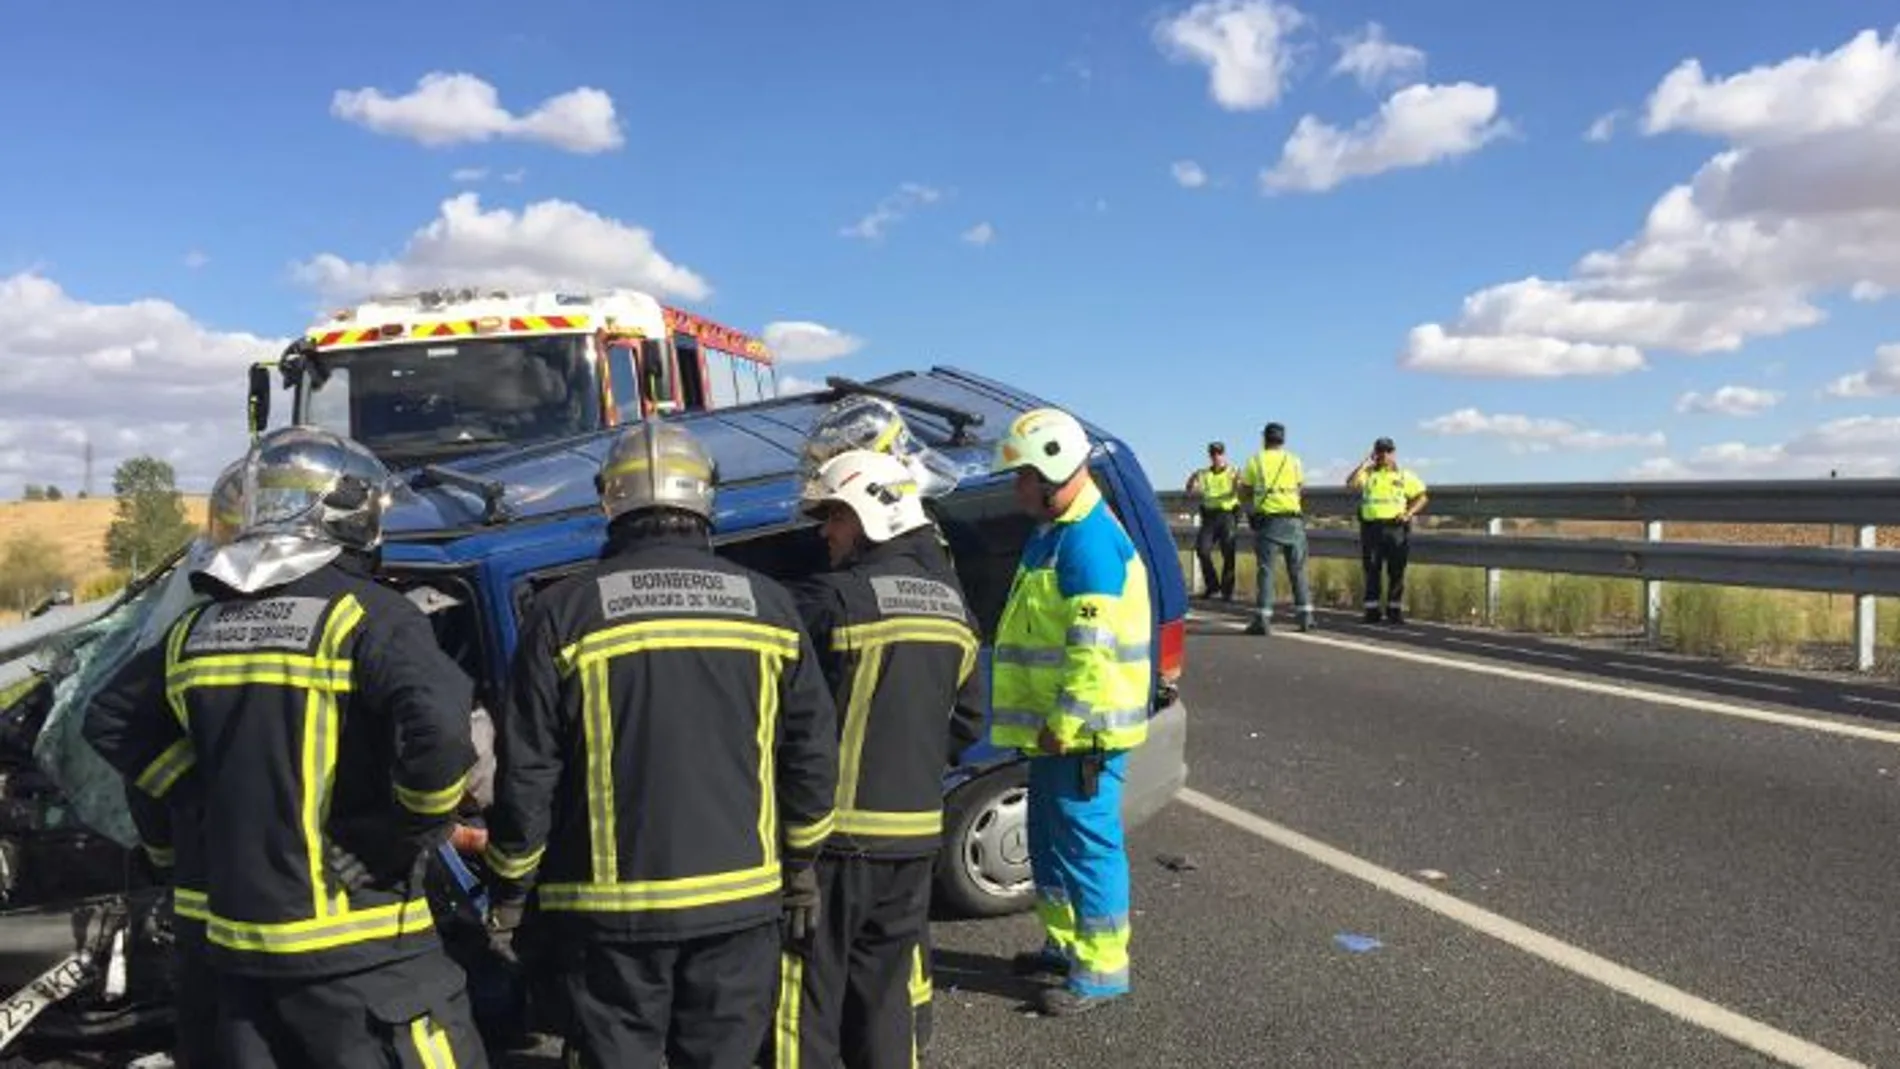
[[1242, 43], [1802, 201], [1189, 174], [1856, 447], [550, 244], [515, 176], [1417, 126], [196, 259], [1729, 401], [1429, 348], [469, 174], [1373, 60], [1525, 434], [1604, 127], [138, 377], [1881, 380], [448, 109], [980, 234], [909, 197], [801, 342]]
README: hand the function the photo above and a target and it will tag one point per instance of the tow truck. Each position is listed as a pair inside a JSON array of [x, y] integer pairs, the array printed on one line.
[[432, 375]]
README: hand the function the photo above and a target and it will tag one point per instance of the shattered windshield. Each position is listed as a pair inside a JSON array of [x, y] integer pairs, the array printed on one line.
[[462, 394]]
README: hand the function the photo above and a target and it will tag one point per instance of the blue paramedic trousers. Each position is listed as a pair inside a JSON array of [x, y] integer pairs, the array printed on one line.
[[1080, 864]]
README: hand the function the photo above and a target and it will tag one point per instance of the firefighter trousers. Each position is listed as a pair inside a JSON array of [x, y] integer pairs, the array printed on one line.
[[1079, 860], [194, 998], [412, 1013], [702, 1003], [861, 998]]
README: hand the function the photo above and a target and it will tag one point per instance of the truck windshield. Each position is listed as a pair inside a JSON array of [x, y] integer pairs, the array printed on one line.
[[425, 400]]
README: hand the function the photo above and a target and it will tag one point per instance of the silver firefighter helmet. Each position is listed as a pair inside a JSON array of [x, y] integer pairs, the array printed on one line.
[[862, 422], [657, 465], [224, 515], [312, 483]]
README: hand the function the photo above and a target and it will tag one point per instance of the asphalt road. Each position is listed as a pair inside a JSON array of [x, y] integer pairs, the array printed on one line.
[[1753, 865]]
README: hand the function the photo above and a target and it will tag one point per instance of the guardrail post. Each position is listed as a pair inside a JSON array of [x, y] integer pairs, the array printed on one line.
[[1493, 578], [1652, 591], [1865, 630]]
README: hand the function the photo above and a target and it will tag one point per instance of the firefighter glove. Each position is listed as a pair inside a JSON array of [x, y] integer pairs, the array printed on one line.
[[345, 868], [504, 916], [800, 901]]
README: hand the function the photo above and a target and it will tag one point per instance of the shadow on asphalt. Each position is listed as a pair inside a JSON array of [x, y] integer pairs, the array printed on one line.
[[984, 974], [1836, 694]]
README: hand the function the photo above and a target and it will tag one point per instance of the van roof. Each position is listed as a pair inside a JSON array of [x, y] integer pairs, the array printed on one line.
[[755, 447]]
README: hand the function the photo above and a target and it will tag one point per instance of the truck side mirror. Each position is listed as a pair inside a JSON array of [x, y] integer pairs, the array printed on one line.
[[260, 398]]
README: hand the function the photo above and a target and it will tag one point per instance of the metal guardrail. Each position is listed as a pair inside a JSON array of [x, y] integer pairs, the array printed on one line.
[[1864, 571]]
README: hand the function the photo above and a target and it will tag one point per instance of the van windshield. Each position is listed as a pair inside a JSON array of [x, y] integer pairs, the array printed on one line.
[[411, 402]]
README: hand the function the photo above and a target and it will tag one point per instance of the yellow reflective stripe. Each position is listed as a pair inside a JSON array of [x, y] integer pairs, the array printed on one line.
[[679, 634], [162, 774], [791, 988], [322, 728], [597, 732], [174, 643], [768, 759], [508, 866], [902, 629], [190, 904], [920, 986], [857, 715], [806, 836], [890, 825], [322, 933], [641, 895], [262, 669], [432, 1043], [433, 803]]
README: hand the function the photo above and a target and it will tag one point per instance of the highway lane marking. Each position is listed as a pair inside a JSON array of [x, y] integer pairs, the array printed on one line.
[[1511, 649], [1764, 1038], [1703, 705], [1870, 701], [1724, 680]]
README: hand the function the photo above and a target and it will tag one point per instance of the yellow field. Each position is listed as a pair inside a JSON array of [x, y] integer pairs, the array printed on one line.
[[78, 528]]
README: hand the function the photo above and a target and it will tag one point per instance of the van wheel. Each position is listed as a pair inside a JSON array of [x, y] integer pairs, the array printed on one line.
[[983, 870]]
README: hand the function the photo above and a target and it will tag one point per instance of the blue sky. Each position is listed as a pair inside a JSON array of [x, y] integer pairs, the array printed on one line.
[[178, 176]]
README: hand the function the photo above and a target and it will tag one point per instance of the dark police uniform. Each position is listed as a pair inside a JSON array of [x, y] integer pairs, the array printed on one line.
[[667, 758], [899, 648], [328, 739]]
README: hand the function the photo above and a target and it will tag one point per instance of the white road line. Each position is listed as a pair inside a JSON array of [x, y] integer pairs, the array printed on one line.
[[1870, 701], [1512, 649], [1678, 673], [1783, 1047], [1680, 701]]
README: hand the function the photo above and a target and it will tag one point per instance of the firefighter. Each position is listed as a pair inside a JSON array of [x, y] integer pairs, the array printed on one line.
[[326, 736], [898, 644], [169, 829], [1071, 689], [1273, 483], [666, 762], [1220, 501], [1389, 497]]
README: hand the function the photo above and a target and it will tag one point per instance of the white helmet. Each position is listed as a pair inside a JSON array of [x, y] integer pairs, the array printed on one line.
[[1047, 439], [881, 489]]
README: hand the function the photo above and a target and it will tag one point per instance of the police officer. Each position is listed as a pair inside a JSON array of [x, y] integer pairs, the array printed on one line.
[[898, 645], [1389, 496], [327, 737], [1273, 482], [1071, 688], [666, 764], [1218, 486], [169, 829]]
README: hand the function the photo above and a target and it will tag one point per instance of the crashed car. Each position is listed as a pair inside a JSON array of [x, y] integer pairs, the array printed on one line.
[[470, 541]]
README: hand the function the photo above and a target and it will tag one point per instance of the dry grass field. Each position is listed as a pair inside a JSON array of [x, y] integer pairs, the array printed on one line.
[[78, 529]]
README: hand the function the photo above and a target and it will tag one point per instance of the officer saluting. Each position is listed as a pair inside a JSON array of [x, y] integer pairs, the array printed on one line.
[[326, 737], [665, 770], [1389, 496]]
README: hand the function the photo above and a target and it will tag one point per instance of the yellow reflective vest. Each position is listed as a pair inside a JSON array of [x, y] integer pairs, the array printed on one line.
[[1383, 494], [1220, 489], [1072, 651], [1275, 476]]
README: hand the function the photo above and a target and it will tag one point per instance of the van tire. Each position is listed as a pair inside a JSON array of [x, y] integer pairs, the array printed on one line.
[[983, 868]]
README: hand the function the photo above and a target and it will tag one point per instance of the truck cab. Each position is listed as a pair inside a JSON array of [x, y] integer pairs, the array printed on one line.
[[426, 377]]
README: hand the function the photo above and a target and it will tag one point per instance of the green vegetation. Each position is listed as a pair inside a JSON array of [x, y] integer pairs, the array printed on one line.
[[151, 519], [1775, 627], [30, 569]]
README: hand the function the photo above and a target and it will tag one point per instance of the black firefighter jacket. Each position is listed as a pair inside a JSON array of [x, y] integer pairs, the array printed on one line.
[[668, 750], [314, 715], [899, 647]]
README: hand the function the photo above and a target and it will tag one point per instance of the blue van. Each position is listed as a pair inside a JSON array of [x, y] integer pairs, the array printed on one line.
[[489, 531]]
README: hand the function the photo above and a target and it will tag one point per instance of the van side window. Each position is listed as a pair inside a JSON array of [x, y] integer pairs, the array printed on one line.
[[626, 384]]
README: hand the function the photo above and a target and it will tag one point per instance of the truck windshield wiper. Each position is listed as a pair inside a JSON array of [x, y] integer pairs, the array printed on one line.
[[493, 492], [960, 420]]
